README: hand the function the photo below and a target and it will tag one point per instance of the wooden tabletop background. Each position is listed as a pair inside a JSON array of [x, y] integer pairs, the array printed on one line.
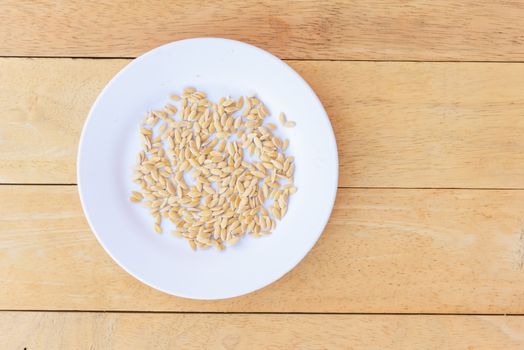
[[425, 246]]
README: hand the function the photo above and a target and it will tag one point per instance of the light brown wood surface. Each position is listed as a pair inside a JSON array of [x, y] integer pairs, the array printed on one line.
[[57, 330], [398, 124], [394, 251], [425, 246], [478, 30]]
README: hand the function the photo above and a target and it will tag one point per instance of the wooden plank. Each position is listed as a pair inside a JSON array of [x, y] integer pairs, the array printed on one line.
[[453, 125], [58, 330], [393, 251], [478, 30], [44, 104]]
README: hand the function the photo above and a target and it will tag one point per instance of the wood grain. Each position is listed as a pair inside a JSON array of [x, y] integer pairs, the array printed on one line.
[[451, 125], [57, 330], [473, 30], [383, 251]]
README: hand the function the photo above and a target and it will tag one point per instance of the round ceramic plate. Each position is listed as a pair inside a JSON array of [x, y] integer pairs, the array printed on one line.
[[110, 142]]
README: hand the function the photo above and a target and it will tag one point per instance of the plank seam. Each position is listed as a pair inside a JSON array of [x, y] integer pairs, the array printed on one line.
[[267, 313], [340, 187], [284, 59]]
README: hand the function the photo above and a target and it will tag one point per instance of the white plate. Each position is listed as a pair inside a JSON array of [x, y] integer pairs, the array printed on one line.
[[110, 143]]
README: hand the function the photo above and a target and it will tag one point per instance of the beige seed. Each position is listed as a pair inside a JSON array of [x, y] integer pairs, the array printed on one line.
[[161, 114], [240, 102], [171, 109], [151, 120], [257, 142], [282, 118], [137, 195], [277, 165], [237, 123], [134, 199], [290, 170], [285, 144], [259, 174], [227, 102], [251, 149], [230, 110], [232, 241]]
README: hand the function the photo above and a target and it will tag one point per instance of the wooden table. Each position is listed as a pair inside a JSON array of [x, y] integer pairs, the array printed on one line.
[[425, 246]]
